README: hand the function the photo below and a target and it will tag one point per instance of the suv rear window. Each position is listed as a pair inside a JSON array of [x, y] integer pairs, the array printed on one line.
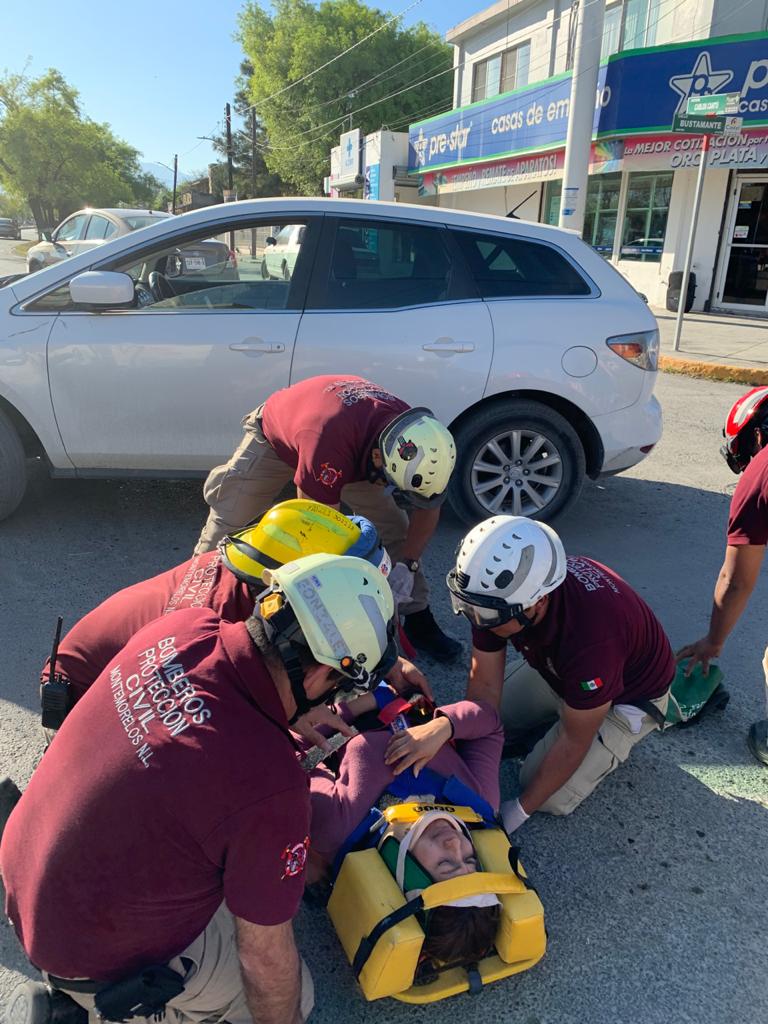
[[516, 267], [134, 223]]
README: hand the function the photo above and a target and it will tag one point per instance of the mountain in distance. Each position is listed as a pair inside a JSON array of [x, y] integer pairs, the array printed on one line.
[[161, 173]]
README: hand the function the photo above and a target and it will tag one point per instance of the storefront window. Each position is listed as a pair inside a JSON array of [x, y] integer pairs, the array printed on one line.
[[645, 218], [600, 214]]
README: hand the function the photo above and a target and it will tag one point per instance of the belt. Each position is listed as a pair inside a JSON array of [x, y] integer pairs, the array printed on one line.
[[89, 986], [85, 985]]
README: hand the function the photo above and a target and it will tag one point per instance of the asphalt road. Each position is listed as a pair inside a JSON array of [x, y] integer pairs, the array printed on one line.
[[10, 262], [654, 890]]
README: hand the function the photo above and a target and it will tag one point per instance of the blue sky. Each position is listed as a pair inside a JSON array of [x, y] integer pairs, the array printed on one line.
[[159, 73]]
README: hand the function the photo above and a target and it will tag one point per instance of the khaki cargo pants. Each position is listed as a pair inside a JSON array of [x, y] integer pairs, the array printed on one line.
[[244, 488], [528, 702], [213, 988]]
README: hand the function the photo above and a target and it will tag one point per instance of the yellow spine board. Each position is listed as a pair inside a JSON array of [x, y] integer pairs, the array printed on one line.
[[365, 892]]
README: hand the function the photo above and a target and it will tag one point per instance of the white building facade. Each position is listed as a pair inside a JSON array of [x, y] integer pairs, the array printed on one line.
[[501, 148]]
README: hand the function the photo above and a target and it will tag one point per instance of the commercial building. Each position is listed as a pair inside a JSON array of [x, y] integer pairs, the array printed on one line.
[[501, 147]]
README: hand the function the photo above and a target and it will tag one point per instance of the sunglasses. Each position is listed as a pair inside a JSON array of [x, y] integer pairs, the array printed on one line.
[[482, 610]]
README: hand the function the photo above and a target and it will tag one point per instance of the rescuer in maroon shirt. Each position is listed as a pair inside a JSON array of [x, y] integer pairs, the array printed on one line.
[[597, 664], [168, 824], [745, 451], [343, 438]]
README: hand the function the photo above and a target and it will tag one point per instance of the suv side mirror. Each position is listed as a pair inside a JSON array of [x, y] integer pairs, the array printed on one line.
[[47, 235], [102, 288], [271, 240]]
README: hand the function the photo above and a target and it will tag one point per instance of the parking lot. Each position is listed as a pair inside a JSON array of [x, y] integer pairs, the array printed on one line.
[[654, 890]]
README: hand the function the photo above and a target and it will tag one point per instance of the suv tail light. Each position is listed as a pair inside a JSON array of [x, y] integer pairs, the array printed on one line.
[[640, 349]]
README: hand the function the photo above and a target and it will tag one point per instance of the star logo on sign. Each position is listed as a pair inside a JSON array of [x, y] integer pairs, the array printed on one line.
[[702, 81], [420, 148]]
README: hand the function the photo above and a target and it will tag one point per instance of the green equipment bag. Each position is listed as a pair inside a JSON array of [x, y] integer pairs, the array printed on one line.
[[691, 697]]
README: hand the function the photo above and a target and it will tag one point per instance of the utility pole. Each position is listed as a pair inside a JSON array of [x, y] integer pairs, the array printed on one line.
[[230, 179], [175, 179], [581, 112], [253, 176], [228, 123]]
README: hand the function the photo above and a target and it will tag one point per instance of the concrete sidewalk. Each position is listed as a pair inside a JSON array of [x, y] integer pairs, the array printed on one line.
[[717, 346]]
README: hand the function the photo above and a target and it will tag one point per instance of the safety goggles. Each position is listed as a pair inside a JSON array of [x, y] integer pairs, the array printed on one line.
[[482, 610]]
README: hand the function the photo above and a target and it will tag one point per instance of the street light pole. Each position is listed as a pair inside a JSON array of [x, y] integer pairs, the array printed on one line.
[[230, 179], [175, 179], [691, 239], [253, 176], [581, 113]]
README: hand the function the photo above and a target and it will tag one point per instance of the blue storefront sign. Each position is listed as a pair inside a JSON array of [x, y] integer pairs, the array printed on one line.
[[372, 178], [638, 91]]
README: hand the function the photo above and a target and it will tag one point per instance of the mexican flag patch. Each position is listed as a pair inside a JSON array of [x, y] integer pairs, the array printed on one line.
[[592, 684]]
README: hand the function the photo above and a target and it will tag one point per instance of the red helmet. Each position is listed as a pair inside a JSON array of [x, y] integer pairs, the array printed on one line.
[[751, 410]]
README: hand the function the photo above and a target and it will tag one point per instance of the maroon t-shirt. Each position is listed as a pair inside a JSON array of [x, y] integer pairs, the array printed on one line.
[[202, 582], [325, 428], [598, 643], [172, 785], [748, 517]]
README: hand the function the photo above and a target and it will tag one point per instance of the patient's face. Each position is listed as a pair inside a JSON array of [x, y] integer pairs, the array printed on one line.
[[444, 851]]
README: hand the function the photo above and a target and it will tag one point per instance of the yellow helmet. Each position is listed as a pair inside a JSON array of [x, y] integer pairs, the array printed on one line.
[[297, 528]]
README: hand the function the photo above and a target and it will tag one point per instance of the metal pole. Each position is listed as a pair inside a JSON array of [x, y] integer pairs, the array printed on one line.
[[228, 124], [581, 113], [253, 176], [175, 177], [691, 240]]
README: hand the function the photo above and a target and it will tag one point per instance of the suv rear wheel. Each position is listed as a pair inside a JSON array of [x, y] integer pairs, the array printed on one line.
[[517, 458], [13, 468]]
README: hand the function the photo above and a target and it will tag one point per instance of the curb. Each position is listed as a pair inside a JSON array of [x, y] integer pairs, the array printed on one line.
[[714, 371]]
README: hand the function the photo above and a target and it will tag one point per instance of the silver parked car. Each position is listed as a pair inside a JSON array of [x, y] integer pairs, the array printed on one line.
[[88, 228]]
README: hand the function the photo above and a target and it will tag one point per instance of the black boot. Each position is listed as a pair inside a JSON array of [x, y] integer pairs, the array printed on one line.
[[427, 637], [757, 740], [35, 1003]]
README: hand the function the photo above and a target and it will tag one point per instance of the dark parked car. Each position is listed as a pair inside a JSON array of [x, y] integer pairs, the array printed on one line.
[[9, 228]]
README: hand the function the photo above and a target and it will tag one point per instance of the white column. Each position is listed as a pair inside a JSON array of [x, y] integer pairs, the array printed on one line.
[[581, 113]]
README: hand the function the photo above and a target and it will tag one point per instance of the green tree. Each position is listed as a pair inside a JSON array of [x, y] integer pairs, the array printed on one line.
[[56, 159], [303, 122]]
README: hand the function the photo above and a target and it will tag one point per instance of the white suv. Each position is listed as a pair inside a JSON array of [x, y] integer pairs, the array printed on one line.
[[535, 351]]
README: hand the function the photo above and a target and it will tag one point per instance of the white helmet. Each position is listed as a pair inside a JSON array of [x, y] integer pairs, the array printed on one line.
[[504, 565], [339, 607], [418, 456]]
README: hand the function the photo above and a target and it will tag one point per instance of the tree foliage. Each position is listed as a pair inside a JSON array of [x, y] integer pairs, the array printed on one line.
[[56, 159], [304, 122]]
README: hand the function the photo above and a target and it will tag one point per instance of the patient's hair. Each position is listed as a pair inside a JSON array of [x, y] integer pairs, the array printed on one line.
[[460, 933]]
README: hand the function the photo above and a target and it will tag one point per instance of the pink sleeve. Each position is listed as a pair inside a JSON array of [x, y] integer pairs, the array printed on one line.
[[479, 737], [340, 804]]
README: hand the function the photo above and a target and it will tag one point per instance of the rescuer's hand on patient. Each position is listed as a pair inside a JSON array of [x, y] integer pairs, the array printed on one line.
[[322, 715], [702, 651], [415, 747], [405, 678]]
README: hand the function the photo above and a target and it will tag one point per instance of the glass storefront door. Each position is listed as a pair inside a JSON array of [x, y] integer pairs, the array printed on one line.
[[743, 282]]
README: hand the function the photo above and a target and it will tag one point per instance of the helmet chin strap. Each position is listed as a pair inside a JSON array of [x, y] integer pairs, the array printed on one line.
[[289, 656]]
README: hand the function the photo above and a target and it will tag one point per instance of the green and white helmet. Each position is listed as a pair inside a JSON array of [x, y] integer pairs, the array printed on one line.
[[339, 607], [418, 455]]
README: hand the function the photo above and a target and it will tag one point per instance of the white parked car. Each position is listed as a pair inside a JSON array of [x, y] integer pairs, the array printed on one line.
[[539, 356], [281, 252]]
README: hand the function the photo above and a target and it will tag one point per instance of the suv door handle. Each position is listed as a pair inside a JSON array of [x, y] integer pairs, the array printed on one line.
[[447, 346], [257, 345]]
